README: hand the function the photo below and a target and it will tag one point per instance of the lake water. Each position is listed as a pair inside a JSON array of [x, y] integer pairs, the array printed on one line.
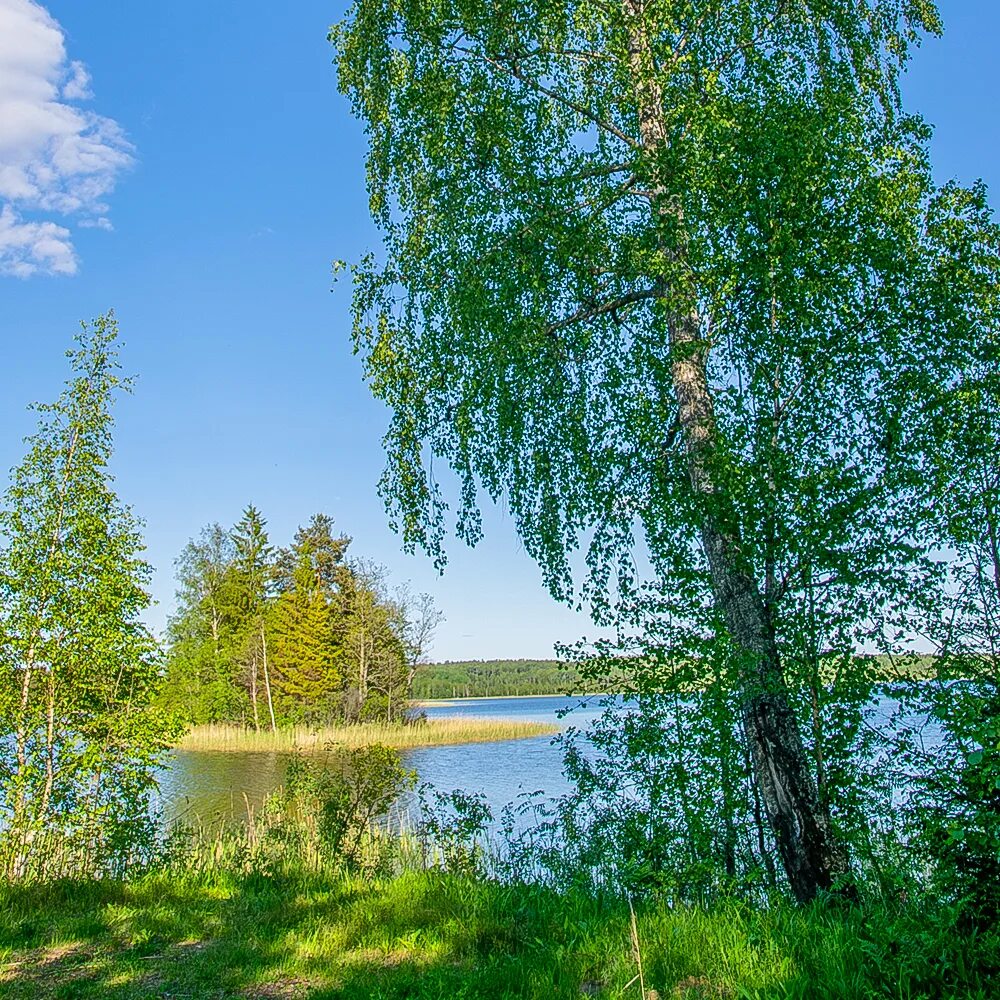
[[211, 785]]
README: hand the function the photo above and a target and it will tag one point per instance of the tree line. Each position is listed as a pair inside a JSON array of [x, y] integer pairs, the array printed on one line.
[[267, 635], [495, 678]]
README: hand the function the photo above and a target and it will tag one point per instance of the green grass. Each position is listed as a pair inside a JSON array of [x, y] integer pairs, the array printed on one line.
[[434, 732], [431, 935]]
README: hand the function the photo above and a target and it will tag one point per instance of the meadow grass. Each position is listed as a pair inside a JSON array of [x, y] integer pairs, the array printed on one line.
[[273, 908], [433, 732], [427, 934]]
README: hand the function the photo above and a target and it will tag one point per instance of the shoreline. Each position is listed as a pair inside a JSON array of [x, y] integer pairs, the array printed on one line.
[[443, 702]]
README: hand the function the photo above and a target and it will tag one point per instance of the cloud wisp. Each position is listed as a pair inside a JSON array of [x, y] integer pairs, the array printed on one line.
[[58, 161]]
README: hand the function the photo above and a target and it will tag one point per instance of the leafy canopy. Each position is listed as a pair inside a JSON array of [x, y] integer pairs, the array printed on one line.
[[516, 326]]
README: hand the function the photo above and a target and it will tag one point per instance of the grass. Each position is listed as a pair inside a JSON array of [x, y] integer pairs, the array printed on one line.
[[425, 934], [271, 910], [434, 732]]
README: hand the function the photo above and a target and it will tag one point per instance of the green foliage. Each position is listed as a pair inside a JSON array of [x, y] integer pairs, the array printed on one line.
[[79, 739], [529, 349], [346, 792], [202, 665], [675, 280], [271, 637], [955, 811], [494, 678], [453, 830], [373, 637], [958, 813], [304, 654]]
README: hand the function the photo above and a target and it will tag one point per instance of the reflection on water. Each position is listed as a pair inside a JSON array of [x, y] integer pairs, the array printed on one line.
[[209, 786], [212, 786]]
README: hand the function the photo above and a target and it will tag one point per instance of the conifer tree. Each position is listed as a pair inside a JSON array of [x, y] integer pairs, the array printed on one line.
[[304, 655], [254, 570]]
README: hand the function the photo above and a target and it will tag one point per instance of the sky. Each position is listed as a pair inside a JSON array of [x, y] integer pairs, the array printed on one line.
[[192, 165]]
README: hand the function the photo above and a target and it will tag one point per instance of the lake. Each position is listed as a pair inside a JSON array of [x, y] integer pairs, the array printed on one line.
[[212, 785]]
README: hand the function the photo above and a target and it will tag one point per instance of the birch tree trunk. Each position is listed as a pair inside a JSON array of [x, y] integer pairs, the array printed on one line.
[[267, 678], [363, 667], [801, 829], [253, 695]]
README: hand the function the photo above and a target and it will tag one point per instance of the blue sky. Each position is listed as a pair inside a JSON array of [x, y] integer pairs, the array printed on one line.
[[225, 174]]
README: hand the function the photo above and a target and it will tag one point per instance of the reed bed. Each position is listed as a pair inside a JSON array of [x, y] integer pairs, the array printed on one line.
[[435, 732]]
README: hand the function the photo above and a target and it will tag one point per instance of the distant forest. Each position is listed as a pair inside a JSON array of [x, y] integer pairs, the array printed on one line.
[[493, 678], [509, 678]]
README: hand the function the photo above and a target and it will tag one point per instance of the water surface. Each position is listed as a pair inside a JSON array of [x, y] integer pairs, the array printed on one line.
[[209, 785]]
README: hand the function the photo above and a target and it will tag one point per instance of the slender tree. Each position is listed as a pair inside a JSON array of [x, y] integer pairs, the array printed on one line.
[[661, 270], [372, 640], [79, 741], [203, 632], [255, 574], [420, 618]]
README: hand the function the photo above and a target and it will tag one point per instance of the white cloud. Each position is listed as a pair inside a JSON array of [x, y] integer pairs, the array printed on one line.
[[77, 87], [55, 158], [28, 248]]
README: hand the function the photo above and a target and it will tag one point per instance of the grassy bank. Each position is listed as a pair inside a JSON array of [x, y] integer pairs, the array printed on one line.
[[430, 935], [434, 732]]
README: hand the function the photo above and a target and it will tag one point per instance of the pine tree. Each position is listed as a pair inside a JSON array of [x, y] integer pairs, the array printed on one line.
[[304, 653]]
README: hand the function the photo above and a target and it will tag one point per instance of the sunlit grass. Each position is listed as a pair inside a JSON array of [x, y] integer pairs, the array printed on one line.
[[434, 732], [260, 910], [427, 935]]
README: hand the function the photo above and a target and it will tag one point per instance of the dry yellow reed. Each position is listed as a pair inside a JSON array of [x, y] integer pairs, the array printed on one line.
[[434, 732]]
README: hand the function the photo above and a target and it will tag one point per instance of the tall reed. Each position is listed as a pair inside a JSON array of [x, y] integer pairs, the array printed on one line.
[[434, 732]]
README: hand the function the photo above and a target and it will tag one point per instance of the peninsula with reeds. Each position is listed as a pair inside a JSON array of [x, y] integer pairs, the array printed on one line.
[[422, 733]]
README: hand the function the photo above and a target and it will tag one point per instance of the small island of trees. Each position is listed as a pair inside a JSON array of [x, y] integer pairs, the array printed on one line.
[[267, 636]]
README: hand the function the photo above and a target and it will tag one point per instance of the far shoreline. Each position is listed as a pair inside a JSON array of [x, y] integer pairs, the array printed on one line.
[[443, 702]]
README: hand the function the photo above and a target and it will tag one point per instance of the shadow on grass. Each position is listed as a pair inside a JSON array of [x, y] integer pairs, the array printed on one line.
[[421, 935], [425, 935]]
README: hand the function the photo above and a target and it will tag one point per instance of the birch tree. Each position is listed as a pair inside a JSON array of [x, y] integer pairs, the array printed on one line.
[[254, 569], [78, 740], [202, 682], [654, 276]]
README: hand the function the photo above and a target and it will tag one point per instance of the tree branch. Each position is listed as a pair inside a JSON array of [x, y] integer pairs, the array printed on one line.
[[592, 311]]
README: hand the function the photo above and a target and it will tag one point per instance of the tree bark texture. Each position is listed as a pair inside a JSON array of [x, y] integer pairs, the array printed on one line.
[[800, 827]]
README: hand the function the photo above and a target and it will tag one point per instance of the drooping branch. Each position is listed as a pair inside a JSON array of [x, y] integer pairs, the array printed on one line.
[[591, 311], [513, 69]]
